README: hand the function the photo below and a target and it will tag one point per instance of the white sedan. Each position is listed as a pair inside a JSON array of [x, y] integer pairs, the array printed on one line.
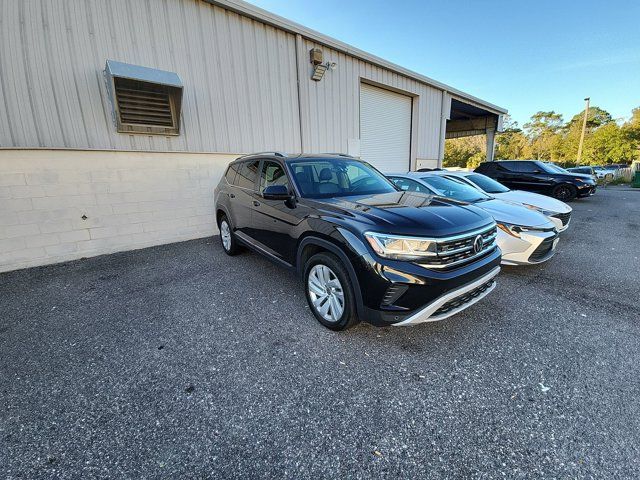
[[524, 235], [558, 212]]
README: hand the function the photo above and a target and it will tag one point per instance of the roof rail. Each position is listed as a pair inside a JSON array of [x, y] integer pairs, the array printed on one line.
[[338, 154], [277, 154]]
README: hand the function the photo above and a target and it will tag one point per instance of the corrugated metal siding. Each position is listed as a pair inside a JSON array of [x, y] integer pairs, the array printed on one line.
[[240, 75], [332, 115], [240, 80]]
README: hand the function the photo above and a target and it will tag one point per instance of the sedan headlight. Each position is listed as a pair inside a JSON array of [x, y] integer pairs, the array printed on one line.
[[510, 229], [400, 247], [548, 213]]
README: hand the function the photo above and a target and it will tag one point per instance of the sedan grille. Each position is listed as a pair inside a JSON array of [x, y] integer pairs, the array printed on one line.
[[463, 248], [563, 217]]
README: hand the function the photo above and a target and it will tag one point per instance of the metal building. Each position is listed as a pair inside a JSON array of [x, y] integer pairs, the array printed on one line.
[[119, 117]]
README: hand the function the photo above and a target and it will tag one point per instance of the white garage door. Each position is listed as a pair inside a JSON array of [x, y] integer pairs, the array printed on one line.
[[385, 129]]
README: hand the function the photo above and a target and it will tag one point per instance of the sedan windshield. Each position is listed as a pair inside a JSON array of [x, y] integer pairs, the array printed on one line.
[[487, 184], [455, 189], [333, 177]]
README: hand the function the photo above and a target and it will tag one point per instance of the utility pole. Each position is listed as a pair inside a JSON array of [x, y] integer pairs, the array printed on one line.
[[584, 127]]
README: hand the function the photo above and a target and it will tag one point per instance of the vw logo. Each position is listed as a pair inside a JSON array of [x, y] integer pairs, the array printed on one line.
[[478, 243]]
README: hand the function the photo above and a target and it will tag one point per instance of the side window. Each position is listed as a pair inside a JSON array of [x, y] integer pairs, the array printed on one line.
[[232, 171], [523, 167], [487, 167], [272, 174], [248, 174], [407, 185]]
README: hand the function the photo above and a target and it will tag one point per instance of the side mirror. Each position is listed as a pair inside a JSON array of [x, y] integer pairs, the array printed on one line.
[[276, 192]]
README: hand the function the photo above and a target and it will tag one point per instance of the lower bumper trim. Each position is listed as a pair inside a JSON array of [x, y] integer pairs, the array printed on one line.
[[431, 313]]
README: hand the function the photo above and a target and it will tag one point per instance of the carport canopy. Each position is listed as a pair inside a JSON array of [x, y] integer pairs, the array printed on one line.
[[466, 119]]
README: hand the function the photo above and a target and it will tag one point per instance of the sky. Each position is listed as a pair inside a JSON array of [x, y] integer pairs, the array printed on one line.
[[524, 56]]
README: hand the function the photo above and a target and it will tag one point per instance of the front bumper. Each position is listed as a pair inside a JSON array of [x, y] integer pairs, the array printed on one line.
[[587, 190], [526, 250], [455, 301], [395, 291]]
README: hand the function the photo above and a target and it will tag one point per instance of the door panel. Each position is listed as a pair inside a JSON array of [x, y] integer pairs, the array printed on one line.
[[274, 220]]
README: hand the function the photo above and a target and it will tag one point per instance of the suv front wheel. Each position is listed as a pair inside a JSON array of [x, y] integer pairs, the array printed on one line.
[[227, 238], [329, 292]]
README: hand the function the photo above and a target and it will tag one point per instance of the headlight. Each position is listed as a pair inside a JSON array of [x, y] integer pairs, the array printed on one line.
[[548, 213], [399, 247], [579, 180], [513, 230]]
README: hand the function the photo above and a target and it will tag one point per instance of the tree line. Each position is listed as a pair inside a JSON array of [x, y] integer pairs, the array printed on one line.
[[546, 136]]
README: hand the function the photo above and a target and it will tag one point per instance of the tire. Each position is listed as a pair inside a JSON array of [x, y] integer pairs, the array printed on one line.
[[564, 192], [325, 277], [227, 238]]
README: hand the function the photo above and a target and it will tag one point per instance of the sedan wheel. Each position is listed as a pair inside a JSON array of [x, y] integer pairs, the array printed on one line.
[[326, 293]]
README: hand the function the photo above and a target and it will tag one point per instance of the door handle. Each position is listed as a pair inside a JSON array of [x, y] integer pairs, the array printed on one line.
[[256, 203], [232, 195]]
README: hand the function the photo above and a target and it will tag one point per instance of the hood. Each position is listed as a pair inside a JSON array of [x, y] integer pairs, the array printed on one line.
[[535, 199], [512, 213], [407, 213]]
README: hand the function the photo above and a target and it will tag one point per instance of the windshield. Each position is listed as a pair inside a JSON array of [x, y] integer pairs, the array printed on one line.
[[455, 189], [487, 184], [552, 168], [337, 177]]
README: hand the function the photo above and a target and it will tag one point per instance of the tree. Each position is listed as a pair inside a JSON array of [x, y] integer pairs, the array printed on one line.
[[543, 132], [596, 118], [459, 151], [543, 123]]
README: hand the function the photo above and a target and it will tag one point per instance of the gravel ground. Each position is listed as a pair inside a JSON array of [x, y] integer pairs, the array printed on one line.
[[178, 361]]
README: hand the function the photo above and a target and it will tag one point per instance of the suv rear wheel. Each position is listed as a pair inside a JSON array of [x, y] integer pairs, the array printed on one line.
[[565, 192], [227, 238], [329, 292]]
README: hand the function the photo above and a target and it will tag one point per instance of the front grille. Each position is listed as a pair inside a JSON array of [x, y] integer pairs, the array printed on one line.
[[460, 249], [563, 217], [464, 299], [543, 249]]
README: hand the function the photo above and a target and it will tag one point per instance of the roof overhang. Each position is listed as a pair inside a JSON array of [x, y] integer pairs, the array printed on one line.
[[263, 16], [116, 69]]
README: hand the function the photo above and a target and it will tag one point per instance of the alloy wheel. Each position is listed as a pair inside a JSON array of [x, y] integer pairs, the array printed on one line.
[[225, 234], [326, 292]]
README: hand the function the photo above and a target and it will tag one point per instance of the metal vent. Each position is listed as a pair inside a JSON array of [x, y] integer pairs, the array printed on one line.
[[145, 100], [142, 103]]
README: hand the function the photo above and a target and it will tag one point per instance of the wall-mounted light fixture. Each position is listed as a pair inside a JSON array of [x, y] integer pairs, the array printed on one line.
[[319, 68], [318, 72]]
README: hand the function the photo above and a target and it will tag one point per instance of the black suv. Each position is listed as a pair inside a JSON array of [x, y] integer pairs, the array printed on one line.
[[537, 176], [365, 250]]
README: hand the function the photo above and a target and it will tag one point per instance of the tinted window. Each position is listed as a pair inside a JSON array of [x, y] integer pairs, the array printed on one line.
[[248, 174], [487, 184], [230, 176], [551, 167], [486, 167], [523, 167], [272, 174], [333, 177], [407, 185], [455, 189]]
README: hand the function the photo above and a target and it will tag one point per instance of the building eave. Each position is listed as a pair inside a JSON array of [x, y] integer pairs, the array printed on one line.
[[264, 16]]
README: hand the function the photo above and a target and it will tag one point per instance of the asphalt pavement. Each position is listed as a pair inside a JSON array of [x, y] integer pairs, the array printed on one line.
[[179, 362]]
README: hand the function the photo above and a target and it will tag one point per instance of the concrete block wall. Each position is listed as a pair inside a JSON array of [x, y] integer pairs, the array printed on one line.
[[59, 205]]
